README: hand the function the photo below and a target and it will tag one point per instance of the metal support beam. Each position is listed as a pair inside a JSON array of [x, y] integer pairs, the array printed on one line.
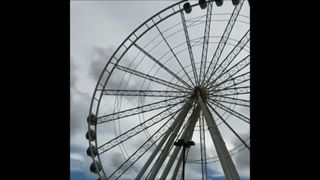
[[191, 124], [231, 111], [230, 57], [174, 54], [228, 167], [216, 57], [182, 115], [234, 132], [205, 45], [203, 154], [174, 127], [148, 93], [162, 66], [154, 153], [231, 72], [194, 69], [176, 170], [150, 78], [137, 129], [140, 109]]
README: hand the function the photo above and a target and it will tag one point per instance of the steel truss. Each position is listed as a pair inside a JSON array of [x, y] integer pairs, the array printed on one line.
[[150, 93]]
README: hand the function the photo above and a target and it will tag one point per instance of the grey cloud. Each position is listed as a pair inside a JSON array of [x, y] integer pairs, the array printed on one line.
[[100, 58], [194, 152], [131, 19], [80, 165], [242, 159], [78, 107], [73, 80], [73, 76], [78, 114], [117, 160], [245, 111]]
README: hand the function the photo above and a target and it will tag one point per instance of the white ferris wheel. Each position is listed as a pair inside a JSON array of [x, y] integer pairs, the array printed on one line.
[[175, 94]]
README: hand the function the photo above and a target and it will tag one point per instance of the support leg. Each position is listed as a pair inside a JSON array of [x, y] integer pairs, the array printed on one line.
[[190, 126], [223, 153]]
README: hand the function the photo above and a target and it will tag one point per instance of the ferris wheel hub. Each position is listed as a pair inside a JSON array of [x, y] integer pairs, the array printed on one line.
[[203, 92]]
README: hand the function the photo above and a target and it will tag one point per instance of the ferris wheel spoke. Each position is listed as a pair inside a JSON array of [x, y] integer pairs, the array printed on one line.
[[234, 132], [174, 54], [240, 147], [224, 39], [151, 78], [231, 91], [185, 29], [239, 150], [222, 151], [140, 109], [235, 101], [231, 82], [234, 52], [138, 129], [162, 66], [231, 111], [203, 61], [194, 43], [231, 56], [190, 25], [148, 93], [173, 130], [231, 72], [141, 150]]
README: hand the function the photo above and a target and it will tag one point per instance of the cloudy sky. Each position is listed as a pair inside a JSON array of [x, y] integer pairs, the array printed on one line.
[[97, 29]]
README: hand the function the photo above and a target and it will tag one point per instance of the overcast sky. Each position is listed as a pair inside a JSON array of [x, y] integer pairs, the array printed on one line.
[[97, 29]]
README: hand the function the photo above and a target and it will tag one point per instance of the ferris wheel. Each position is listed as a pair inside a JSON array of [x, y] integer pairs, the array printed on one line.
[[175, 93]]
